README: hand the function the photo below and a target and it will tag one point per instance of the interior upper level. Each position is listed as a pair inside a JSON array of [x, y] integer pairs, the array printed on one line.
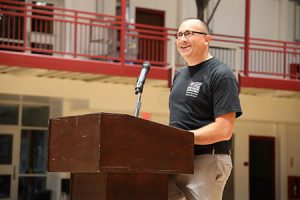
[[60, 41]]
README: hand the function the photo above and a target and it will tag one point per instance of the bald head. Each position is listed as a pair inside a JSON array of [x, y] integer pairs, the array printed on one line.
[[197, 22]]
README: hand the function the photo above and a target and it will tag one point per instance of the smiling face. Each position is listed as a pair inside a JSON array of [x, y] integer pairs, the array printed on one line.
[[193, 47]]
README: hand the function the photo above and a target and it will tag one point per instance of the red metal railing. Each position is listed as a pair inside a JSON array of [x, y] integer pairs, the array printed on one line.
[[32, 28], [271, 58], [64, 32]]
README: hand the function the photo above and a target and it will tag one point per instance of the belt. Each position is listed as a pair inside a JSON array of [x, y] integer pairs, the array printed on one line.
[[212, 150]]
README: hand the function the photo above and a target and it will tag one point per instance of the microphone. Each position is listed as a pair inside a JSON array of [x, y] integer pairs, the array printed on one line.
[[142, 77]]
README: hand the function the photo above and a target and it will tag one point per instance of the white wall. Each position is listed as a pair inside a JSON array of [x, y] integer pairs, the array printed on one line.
[[293, 150], [228, 19], [296, 22], [79, 97], [268, 116], [271, 19], [81, 5]]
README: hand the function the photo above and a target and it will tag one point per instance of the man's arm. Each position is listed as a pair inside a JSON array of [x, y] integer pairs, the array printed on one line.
[[220, 130]]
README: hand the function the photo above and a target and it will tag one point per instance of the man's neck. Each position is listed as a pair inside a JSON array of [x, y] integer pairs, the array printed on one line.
[[199, 60]]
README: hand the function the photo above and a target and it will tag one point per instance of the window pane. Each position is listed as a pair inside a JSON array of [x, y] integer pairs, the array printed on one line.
[[9, 114], [6, 142], [30, 187], [5, 186], [33, 155], [42, 25], [9, 97], [35, 116], [65, 186]]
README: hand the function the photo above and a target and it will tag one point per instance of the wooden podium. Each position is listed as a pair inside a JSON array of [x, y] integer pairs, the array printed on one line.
[[118, 156]]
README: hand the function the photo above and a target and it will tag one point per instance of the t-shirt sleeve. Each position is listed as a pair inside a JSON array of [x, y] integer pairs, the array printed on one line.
[[226, 97]]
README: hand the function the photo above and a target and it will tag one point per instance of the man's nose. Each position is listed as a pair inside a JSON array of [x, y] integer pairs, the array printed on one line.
[[182, 37]]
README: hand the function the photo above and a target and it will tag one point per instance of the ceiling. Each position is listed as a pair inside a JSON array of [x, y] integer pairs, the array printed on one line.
[[88, 77]]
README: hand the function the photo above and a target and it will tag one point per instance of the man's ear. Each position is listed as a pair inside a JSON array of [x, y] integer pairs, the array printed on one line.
[[208, 38]]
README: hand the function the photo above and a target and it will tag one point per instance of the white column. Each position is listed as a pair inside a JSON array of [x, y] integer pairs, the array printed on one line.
[[284, 32], [68, 4]]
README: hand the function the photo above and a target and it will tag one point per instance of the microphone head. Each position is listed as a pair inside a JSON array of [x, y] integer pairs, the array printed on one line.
[[146, 65], [142, 77]]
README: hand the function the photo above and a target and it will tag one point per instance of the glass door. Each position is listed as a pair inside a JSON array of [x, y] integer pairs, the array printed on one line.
[[9, 162], [23, 147]]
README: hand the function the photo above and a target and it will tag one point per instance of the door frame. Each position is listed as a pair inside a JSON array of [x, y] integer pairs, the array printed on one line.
[[13, 168]]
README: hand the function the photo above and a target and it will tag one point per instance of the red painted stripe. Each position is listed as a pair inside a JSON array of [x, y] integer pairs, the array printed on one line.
[[268, 83], [76, 65]]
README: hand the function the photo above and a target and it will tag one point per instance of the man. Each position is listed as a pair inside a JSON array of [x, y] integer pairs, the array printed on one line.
[[204, 100]]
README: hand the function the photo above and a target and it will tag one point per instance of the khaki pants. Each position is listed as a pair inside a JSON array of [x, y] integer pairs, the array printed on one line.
[[211, 172]]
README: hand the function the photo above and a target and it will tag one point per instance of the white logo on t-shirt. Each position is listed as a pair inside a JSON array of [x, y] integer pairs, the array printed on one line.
[[193, 89]]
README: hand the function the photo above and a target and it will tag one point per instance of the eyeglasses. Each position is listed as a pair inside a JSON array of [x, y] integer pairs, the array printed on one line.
[[188, 34]]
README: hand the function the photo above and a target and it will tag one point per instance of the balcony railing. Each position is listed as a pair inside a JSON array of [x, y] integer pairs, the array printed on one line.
[[40, 29]]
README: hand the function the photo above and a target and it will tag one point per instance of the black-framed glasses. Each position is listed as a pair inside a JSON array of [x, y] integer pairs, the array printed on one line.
[[187, 34]]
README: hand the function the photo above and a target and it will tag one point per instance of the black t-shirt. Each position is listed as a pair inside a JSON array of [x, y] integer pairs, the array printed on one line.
[[201, 93]]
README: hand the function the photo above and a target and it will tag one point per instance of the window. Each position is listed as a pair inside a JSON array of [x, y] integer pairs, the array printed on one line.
[[5, 186], [42, 21], [6, 143], [29, 187], [9, 114], [33, 155], [33, 115]]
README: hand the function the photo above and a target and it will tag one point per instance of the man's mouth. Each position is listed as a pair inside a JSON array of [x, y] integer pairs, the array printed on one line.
[[185, 48]]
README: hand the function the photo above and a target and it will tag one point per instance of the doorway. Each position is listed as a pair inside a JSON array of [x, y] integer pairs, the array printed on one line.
[[228, 193], [151, 46], [262, 168]]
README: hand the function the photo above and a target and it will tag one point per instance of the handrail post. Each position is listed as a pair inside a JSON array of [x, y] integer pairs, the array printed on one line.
[[25, 29], [165, 47], [123, 30], [284, 60], [247, 38], [75, 33]]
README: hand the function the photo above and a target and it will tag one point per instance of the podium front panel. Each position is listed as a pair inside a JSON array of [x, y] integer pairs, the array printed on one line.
[[118, 143], [134, 145], [74, 144]]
